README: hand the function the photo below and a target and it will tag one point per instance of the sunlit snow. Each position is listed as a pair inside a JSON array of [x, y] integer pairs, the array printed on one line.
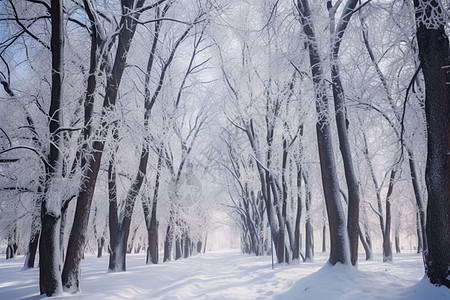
[[232, 275]]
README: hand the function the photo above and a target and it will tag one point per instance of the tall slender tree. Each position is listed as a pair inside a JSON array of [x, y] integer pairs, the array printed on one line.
[[339, 247], [337, 34], [49, 246]]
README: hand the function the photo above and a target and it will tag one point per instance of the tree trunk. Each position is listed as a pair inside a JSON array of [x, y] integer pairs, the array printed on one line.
[[178, 248], [419, 234], [342, 125], [49, 246], [366, 245], [309, 238], [419, 201], [150, 216], [126, 213], [397, 243], [32, 250], [113, 218], [204, 244], [168, 242], [434, 54], [339, 248], [100, 245], [309, 241], [387, 245], [187, 246], [49, 259], [35, 232], [296, 248], [77, 239]]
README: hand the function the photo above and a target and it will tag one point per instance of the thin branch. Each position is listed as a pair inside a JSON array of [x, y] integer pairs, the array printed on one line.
[[7, 137], [167, 19], [68, 129], [410, 85], [374, 210], [235, 124], [42, 157], [17, 189], [42, 3], [25, 28], [8, 160], [141, 10]]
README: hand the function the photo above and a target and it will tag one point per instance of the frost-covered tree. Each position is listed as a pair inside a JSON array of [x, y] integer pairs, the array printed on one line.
[[340, 251]]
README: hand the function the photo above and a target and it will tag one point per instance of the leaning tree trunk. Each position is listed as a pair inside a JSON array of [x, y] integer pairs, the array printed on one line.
[[342, 124], [339, 248], [126, 213], [366, 245], [434, 54]]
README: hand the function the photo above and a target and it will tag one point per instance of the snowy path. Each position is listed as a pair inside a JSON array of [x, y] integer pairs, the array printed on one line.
[[231, 275]]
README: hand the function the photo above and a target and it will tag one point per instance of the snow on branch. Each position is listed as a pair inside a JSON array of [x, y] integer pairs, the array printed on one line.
[[42, 157]]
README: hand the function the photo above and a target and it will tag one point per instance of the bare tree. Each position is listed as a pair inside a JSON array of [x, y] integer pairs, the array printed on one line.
[[49, 245], [339, 251]]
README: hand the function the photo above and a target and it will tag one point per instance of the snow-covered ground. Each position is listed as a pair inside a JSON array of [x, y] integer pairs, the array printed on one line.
[[231, 275]]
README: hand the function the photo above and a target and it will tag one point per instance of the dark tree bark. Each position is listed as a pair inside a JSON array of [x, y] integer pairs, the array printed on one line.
[[366, 245], [112, 213], [339, 248], [35, 231], [168, 239], [150, 212], [49, 245], [150, 217], [32, 250], [100, 245], [387, 245], [342, 124], [309, 237], [49, 263], [434, 54], [77, 240], [124, 219], [296, 249]]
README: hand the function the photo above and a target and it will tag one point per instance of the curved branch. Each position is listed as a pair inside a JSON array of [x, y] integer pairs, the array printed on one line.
[[7, 137], [42, 157], [25, 28]]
